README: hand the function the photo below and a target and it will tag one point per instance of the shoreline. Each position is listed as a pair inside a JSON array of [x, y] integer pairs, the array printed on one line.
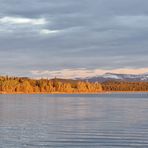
[[65, 93]]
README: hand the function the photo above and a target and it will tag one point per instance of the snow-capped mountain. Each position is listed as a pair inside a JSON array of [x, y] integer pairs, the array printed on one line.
[[121, 77]]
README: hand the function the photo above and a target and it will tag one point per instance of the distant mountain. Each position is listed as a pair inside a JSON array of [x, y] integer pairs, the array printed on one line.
[[120, 77]]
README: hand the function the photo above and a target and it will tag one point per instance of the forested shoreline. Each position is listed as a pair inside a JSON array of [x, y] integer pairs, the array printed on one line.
[[26, 85], [22, 85], [124, 86]]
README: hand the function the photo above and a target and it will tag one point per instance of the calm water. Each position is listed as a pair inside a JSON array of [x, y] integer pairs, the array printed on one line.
[[74, 121]]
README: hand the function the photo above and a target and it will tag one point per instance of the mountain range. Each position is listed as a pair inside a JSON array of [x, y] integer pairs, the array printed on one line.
[[119, 77]]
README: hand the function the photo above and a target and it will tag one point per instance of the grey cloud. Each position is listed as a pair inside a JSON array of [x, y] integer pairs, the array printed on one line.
[[94, 34]]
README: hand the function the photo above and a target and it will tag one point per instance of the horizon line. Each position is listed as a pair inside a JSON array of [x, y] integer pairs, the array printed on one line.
[[77, 73]]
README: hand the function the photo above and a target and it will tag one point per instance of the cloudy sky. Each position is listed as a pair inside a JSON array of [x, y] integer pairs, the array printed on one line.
[[72, 38]]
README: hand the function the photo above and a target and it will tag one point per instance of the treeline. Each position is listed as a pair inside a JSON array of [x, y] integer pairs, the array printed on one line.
[[26, 85], [124, 86]]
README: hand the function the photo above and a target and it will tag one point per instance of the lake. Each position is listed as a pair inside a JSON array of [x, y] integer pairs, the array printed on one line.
[[74, 121]]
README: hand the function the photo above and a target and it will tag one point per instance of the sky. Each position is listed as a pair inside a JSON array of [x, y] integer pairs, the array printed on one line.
[[73, 38]]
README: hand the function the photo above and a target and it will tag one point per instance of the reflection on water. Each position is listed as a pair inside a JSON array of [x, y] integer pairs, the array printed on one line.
[[77, 121]]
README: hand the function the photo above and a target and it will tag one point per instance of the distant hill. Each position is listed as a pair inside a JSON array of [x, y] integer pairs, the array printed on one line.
[[119, 77]]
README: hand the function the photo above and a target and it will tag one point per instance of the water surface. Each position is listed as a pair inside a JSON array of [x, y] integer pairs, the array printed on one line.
[[74, 121]]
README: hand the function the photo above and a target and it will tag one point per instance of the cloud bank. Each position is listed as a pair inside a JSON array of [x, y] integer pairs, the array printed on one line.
[[83, 73]]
